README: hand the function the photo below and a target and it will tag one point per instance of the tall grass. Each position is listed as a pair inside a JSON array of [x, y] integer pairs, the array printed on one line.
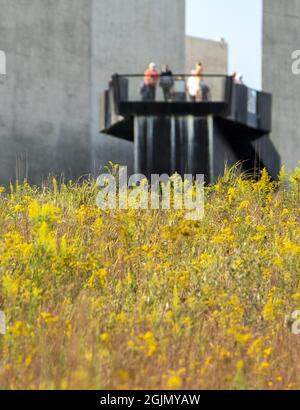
[[146, 299]]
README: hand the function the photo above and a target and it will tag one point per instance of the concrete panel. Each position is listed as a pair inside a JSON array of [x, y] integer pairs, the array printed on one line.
[[213, 54], [126, 37], [2, 63], [60, 56], [45, 97], [281, 35]]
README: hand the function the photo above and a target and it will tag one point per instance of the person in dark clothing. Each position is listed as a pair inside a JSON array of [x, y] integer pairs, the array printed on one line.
[[166, 82]]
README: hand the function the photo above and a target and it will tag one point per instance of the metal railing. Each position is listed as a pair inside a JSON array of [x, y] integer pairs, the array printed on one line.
[[175, 88]]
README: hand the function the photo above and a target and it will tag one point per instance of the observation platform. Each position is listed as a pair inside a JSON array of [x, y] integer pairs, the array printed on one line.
[[171, 133]]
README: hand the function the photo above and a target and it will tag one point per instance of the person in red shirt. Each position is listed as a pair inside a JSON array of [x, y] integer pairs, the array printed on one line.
[[150, 82]]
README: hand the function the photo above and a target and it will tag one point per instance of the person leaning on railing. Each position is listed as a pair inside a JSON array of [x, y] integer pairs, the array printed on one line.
[[237, 78], [148, 90], [166, 82], [193, 87], [197, 88], [205, 90]]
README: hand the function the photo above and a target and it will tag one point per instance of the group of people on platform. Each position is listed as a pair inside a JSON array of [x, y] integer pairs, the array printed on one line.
[[195, 88], [173, 89]]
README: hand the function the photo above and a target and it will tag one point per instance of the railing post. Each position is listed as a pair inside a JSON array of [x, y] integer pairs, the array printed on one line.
[[116, 92]]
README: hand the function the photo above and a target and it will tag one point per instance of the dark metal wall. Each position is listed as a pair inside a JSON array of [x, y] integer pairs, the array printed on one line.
[[171, 144], [198, 145]]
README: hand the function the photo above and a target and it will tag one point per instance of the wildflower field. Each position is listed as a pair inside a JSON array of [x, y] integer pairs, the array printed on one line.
[[141, 299]]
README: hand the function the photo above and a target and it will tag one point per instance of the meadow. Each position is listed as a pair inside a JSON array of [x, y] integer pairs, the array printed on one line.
[[113, 299]]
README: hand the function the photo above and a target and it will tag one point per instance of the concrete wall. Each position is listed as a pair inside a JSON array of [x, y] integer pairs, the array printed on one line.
[[281, 34], [214, 57], [45, 96], [213, 54], [60, 56], [127, 36], [2, 63]]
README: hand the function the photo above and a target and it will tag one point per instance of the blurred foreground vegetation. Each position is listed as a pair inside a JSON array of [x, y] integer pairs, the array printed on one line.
[[146, 299]]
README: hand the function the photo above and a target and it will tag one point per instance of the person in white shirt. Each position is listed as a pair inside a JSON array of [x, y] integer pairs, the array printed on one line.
[[194, 87], [238, 79]]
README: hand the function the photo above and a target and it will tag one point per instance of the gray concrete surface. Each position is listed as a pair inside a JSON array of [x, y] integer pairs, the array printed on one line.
[[126, 37], [281, 34], [60, 56], [2, 63], [45, 96], [213, 55]]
